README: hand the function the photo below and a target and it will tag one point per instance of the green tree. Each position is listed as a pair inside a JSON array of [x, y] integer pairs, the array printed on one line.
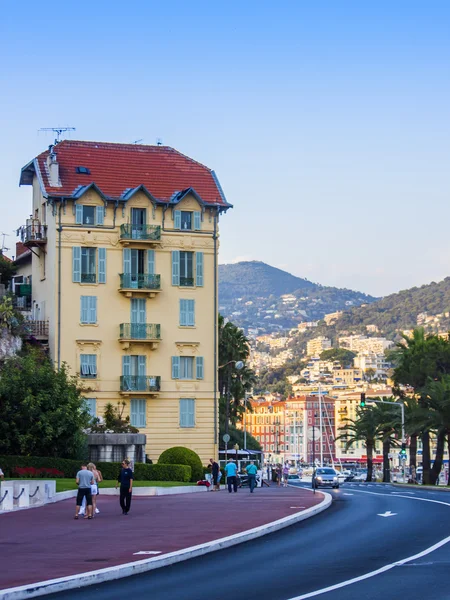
[[7, 270], [369, 374], [43, 411], [362, 429], [345, 357], [113, 420]]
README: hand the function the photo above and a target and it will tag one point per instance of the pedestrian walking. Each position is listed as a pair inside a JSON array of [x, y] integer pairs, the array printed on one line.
[[286, 469], [251, 472], [215, 474], [231, 471], [277, 474], [84, 481], [97, 475], [126, 486]]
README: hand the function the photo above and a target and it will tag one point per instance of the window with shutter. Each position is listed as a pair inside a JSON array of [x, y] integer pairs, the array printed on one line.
[[187, 412], [199, 268], [76, 264], [79, 214], [175, 367], [177, 219], [88, 309], [150, 262], [175, 267], [99, 215], [102, 265], [91, 404], [186, 367], [187, 313], [197, 220], [138, 412], [199, 367], [88, 366]]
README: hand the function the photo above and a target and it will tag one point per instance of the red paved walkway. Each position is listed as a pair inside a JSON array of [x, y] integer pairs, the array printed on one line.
[[46, 543]]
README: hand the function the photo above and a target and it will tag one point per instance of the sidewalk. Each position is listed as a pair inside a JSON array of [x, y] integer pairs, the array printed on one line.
[[47, 543]]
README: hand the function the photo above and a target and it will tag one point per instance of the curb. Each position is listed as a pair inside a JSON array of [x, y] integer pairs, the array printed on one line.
[[52, 586]]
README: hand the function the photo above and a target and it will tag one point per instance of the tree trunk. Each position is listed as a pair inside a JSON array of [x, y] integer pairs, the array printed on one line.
[[369, 460], [413, 451], [386, 463], [434, 474], [426, 457]]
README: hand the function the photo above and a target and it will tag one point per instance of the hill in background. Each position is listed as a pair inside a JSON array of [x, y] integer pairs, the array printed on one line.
[[251, 295]]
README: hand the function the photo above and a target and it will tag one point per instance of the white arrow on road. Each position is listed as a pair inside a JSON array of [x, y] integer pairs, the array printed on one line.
[[388, 513]]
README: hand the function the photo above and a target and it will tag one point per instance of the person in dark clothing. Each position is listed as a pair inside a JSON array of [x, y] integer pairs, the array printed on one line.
[[126, 486], [215, 474]]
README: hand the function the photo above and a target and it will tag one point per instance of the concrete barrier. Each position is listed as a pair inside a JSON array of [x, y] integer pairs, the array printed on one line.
[[7, 496], [21, 494]]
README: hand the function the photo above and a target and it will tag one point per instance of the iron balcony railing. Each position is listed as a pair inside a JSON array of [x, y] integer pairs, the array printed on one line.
[[33, 232], [138, 281], [140, 331], [88, 277], [140, 232], [37, 328], [187, 281], [140, 383]]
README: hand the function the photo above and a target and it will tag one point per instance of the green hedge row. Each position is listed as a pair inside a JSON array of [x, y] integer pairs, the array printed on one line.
[[70, 468]]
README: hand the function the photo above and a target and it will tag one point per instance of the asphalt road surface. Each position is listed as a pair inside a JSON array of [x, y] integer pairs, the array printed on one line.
[[376, 542]]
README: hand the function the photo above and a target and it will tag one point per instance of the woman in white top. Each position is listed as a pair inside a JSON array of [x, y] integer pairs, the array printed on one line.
[[97, 475]]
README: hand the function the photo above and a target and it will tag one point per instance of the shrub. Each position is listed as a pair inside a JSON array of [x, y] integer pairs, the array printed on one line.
[[162, 472], [183, 456]]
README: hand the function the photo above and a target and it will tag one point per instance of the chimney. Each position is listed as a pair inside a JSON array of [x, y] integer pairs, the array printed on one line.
[[53, 168]]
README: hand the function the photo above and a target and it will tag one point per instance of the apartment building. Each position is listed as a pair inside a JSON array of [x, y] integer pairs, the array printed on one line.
[[362, 343], [124, 269], [372, 361], [317, 345], [349, 377]]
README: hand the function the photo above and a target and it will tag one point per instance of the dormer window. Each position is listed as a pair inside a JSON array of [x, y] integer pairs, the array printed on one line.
[[187, 220], [83, 170], [89, 215]]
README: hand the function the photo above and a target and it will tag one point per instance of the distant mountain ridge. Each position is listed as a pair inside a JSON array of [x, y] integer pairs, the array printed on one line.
[[250, 294]]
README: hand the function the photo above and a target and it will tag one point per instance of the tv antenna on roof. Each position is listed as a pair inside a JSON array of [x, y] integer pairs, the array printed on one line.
[[3, 247], [138, 141], [58, 130], [159, 142]]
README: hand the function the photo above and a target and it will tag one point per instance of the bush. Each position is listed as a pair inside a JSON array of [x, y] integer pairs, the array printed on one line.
[[183, 456], [44, 467]]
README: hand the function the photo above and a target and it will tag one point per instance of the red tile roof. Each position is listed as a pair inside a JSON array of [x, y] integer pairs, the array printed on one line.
[[115, 168], [21, 249]]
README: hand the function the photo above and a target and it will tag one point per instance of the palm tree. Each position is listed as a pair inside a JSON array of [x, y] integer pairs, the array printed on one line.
[[388, 422], [362, 429], [438, 393]]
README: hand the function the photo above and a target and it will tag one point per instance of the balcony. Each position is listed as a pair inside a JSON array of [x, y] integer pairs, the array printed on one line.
[[140, 333], [34, 234], [186, 281], [88, 278], [136, 283], [140, 385], [37, 329], [147, 234]]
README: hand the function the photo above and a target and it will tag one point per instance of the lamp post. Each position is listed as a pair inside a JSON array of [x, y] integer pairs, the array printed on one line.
[[245, 419], [314, 454], [238, 365]]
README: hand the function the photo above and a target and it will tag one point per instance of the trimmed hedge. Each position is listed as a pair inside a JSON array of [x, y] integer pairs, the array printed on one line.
[[110, 470], [178, 455]]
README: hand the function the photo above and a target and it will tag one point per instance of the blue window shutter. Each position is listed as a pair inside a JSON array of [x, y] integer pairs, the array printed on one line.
[[91, 404], [127, 260], [177, 219], [190, 312], [79, 214], [182, 412], [92, 308], [199, 364], [183, 312], [175, 267], [133, 412], [84, 313], [150, 262], [141, 413], [134, 310], [126, 366], [142, 365], [102, 265], [84, 365], [76, 264], [175, 367], [93, 364], [191, 412], [199, 268], [99, 215], [197, 220]]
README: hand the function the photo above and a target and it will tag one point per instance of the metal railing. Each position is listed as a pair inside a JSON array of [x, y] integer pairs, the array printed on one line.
[[37, 328], [139, 281], [140, 232], [33, 232], [187, 281], [88, 277], [138, 383], [140, 331]]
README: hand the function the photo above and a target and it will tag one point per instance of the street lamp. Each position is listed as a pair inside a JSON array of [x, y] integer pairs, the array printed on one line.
[[238, 364]]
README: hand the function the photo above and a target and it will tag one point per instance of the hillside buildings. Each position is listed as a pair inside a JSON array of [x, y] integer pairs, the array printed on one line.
[[124, 264], [316, 346], [362, 343]]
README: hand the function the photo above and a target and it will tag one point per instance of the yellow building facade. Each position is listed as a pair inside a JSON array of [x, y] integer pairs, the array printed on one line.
[[128, 283]]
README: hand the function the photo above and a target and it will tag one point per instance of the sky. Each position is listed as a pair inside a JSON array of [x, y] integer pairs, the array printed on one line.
[[327, 123]]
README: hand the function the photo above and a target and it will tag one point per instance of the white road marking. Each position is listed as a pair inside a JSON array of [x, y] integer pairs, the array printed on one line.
[[403, 493], [386, 567], [346, 494], [147, 552], [388, 513], [297, 507]]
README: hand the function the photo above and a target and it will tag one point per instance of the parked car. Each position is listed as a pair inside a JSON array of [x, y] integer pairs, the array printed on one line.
[[293, 477], [325, 476]]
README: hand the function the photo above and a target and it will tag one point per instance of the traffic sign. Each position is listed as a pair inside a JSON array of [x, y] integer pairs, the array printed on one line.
[[226, 438]]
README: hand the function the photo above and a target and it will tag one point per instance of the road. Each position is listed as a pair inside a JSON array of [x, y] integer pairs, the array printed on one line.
[[368, 528]]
